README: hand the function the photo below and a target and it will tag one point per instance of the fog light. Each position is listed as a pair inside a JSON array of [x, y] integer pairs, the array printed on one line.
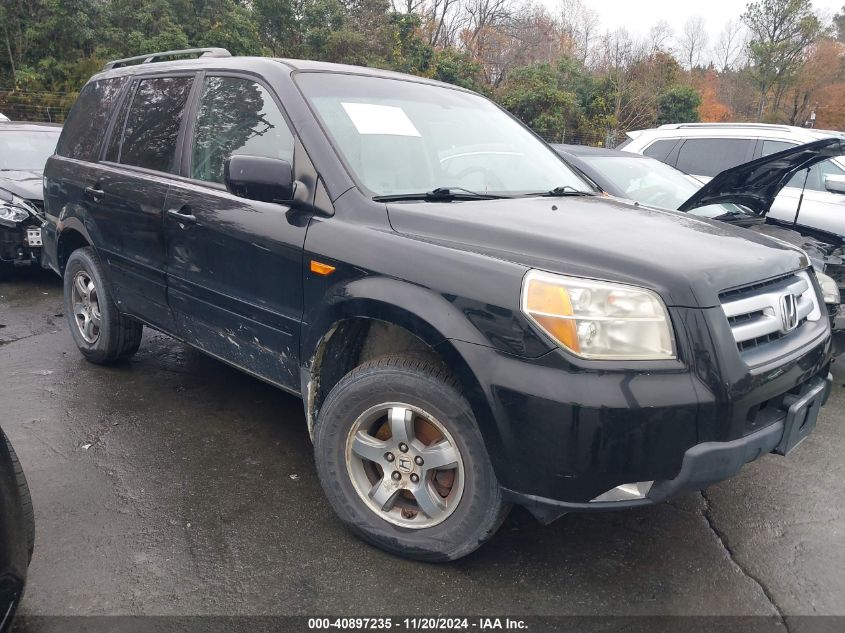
[[626, 492]]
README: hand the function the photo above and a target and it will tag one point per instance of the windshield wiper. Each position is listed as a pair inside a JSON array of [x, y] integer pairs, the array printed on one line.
[[441, 194], [566, 190]]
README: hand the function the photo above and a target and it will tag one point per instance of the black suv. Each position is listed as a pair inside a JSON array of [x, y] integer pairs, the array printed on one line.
[[468, 322]]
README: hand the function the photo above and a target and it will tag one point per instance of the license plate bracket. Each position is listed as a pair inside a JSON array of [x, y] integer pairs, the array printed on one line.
[[801, 417], [33, 237]]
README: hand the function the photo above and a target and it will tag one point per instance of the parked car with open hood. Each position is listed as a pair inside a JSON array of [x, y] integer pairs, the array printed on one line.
[[24, 149], [650, 182], [468, 323], [812, 200], [17, 532]]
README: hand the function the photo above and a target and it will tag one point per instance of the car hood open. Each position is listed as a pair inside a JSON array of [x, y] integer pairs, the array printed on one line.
[[755, 184]]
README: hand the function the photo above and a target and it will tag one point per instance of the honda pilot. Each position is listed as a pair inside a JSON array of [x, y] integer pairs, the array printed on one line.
[[469, 323]]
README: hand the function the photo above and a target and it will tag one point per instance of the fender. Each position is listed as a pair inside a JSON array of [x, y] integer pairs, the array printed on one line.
[[423, 312], [65, 228]]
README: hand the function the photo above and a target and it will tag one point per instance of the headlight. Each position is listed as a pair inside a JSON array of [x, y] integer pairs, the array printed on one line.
[[830, 290], [12, 213], [598, 319], [13, 209]]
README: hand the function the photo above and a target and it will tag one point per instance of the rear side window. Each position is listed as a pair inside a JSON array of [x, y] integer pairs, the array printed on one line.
[[153, 122], [236, 116], [82, 134], [660, 149], [773, 147], [710, 156]]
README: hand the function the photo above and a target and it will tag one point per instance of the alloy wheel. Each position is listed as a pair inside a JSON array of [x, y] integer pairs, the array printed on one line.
[[86, 307], [405, 465]]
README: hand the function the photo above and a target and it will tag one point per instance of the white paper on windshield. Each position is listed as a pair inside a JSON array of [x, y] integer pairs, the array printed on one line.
[[370, 118]]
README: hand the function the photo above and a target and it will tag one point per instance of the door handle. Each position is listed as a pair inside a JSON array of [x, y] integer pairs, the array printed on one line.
[[93, 192], [182, 214]]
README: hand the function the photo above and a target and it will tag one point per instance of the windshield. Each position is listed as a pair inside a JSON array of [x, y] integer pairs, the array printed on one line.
[[655, 184], [26, 150], [402, 137]]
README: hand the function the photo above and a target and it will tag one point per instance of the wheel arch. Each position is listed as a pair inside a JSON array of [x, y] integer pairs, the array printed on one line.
[[72, 236], [351, 332]]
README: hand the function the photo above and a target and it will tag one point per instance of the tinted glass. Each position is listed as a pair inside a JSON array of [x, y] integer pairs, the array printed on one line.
[[25, 149], [113, 146], [152, 126], [236, 116], [710, 156], [660, 149], [82, 134], [773, 147], [404, 137]]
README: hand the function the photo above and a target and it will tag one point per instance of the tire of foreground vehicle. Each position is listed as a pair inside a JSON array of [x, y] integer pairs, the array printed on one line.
[[25, 497], [101, 333], [402, 461]]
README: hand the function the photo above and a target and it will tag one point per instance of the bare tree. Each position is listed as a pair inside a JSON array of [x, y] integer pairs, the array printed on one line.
[[442, 21], [660, 37], [407, 6], [579, 28], [729, 49], [693, 42]]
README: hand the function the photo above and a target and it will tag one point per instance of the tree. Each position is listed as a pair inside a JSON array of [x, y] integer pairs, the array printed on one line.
[[730, 45], [781, 32], [839, 25], [693, 42], [711, 109], [679, 104], [532, 94]]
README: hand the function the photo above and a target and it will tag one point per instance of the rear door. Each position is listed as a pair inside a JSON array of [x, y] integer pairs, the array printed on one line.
[[141, 157], [75, 166], [234, 266], [706, 157]]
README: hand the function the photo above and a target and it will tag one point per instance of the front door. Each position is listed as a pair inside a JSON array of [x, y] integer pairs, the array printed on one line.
[[819, 209], [234, 266]]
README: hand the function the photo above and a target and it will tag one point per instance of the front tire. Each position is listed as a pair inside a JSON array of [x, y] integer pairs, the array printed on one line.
[[101, 333], [402, 461]]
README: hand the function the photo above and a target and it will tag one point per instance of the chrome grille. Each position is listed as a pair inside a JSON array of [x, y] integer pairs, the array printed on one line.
[[772, 310]]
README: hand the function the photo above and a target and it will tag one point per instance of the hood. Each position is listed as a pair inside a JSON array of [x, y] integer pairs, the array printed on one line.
[[24, 184], [687, 260], [755, 184]]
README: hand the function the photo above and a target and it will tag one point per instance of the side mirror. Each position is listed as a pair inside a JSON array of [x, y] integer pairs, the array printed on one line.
[[259, 178], [835, 184]]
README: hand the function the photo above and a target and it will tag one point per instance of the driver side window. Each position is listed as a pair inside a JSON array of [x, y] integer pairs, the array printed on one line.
[[236, 116]]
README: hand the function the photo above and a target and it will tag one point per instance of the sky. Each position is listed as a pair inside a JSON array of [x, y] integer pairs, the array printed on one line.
[[638, 16]]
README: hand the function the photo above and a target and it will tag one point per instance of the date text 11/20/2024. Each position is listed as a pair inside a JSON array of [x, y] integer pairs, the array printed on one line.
[[418, 624]]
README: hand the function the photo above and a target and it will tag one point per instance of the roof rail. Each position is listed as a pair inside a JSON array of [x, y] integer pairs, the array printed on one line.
[[157, 57], [766, 126]]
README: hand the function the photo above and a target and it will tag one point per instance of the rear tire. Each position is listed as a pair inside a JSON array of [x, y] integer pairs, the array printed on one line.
[[101, 333], [426, 512], [25, 497]]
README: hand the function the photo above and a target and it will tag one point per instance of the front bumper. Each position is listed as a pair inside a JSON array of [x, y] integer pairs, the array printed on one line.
[[561, 434], [15, 249], [709, 462]]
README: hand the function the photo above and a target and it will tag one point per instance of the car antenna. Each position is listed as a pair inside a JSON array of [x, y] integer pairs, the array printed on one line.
[[801, 198]]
